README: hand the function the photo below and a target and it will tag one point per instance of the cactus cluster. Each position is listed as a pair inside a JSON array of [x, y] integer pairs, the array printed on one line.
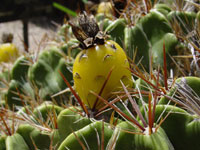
[[121, 79]]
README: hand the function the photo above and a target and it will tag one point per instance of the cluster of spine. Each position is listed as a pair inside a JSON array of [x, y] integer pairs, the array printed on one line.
[[74, 130]]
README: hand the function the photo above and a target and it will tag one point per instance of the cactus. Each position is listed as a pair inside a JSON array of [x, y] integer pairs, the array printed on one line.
[[40, 127], [33, 133], [49, 63], [184, 84], [4, 78], [185, 20], [71, 48], [49, 81], [148, 37], [2, 142], [16, 142], [91, 137], [163, 8], [145, 141], [156, 113], [69, 120], [33, 137], [19, 84], [64, 33], [181, 127], [116, 29], [44, 110]]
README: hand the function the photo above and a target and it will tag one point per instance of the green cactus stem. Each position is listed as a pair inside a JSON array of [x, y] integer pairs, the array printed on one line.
[[16, 142], [188, 84], [3, 142], [163, 8], [148, 36], [34, 137], [44, 110], [71, 48], [45, 73], [94, 136], [19, 84], [127, 133], [116, 29], [184, 20], [181, 127], [70, 120]]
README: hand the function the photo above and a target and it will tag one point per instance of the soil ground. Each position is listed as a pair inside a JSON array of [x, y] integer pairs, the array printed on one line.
[[37, 29]]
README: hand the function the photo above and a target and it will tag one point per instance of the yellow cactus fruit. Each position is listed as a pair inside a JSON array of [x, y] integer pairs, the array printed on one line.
[[8, 52], [105, 8], [95, 62]]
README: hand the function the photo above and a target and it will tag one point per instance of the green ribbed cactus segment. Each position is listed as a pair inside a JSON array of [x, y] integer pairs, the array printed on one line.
[[140, 141], [90, 137], [187, 84], [16, 142], [70, 120], [116, 30], [104, 23], [192, 84], [15, 90], [3, 142], [175, 124], [193, 134], [20, 69], [19, 84], [34, 137], [144, 86], [64, 32], [182, 128], [128, 39], [13, 94], [4, 78], [55, 138], [198, 19], [162, 8], [147, 37], [45, 110], [155, 141], [186, 125], [69, 48], [45, 73], [119, 135], [184, 20]]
